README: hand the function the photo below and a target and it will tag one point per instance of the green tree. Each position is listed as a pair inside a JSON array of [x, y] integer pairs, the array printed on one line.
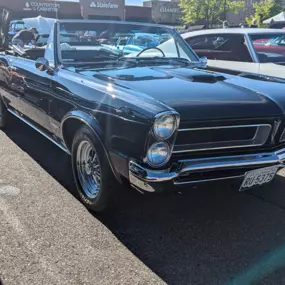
[[264, 10], [209, 10]]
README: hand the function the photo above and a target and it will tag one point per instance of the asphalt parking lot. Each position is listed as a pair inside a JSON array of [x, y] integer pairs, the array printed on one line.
[[204, 235]]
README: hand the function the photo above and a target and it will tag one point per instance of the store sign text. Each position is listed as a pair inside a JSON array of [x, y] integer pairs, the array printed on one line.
[[41, 7], [169, 10], [104, 5]]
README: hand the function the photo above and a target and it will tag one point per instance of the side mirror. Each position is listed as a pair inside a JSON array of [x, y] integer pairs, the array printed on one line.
[[203, 60], [42, 64]]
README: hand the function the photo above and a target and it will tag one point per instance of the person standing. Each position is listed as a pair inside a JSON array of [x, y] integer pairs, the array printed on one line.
[[225, 24]]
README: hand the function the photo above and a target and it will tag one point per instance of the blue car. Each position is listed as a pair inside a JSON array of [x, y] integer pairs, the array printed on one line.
[[14, 27], [137, 42]]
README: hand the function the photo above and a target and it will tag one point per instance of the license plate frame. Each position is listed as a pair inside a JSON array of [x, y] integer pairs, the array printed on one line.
[[258, 177]]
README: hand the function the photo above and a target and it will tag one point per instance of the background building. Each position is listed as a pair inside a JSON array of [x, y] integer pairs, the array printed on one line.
[[164, 12]]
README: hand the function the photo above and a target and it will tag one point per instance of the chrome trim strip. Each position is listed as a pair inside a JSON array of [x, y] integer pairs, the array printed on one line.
[[212, 148], [38, 130], [275, 129], [207, 180], [282, 137], [223, 127], [223, 144], [225, 162], [251, 48]]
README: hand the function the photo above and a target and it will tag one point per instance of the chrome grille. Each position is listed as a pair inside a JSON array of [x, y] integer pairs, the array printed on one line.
[[221, 137]]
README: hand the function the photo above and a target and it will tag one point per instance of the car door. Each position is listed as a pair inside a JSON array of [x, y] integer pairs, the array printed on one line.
[[33, 88], [225, 51]]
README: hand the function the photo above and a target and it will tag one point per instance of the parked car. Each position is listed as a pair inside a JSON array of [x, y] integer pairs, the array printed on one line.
[[136, 42], [152, 122], [254, 50], [14, 27]]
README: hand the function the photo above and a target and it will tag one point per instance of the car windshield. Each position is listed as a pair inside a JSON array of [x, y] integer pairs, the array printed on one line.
[[19, 26], [96, 42], [269, 47]]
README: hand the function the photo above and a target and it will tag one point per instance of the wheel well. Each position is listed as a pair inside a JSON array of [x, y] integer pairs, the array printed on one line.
[[69, 129]]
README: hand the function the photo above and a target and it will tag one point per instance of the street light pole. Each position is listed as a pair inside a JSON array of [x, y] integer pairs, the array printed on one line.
[[225, 12]]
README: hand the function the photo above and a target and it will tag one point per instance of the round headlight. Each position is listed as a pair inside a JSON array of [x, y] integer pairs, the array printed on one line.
[[164, 126], [158, 154]]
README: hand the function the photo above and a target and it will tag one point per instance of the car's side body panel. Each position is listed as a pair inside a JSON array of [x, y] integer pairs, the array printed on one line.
[[33, 89]]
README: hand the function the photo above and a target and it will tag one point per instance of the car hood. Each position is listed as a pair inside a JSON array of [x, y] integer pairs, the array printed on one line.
[[198, 94]]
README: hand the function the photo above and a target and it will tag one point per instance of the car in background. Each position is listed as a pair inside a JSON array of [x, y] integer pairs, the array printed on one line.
[[136, 42], [275, 44], [252, 50], [14, 27]]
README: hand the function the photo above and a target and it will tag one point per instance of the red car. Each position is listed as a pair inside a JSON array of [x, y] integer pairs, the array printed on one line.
[[272, 45]]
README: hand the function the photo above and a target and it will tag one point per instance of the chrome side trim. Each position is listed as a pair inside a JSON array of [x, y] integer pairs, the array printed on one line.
[[38, 130], [260, 137]]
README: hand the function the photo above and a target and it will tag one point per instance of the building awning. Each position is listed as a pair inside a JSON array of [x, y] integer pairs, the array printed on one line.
[[277, 18]]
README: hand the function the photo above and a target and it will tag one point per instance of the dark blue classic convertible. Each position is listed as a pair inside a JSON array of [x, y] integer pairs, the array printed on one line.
[[155, 119]]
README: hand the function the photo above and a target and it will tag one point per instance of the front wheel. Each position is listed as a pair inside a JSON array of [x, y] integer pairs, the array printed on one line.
[[95, 181]]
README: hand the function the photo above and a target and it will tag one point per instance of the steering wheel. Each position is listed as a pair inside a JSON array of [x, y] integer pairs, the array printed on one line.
[[148, 48]]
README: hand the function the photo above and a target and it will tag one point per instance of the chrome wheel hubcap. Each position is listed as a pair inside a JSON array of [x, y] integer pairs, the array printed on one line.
[[88, 169]]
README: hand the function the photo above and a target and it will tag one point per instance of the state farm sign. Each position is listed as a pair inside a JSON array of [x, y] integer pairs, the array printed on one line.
[[102, 8], [41, 7], [106, 5]]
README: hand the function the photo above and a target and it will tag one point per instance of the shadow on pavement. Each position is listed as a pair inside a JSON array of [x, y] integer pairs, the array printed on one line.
[[205, 235]]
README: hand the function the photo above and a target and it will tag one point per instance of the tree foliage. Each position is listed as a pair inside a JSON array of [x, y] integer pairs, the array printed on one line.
[[209, 10], [264, 10]]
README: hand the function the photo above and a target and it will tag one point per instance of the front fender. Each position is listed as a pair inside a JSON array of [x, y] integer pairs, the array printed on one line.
[[78, 119], [85, 118]]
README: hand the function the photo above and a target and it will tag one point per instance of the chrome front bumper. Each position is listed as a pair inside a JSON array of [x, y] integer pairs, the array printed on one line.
[[148, 179]]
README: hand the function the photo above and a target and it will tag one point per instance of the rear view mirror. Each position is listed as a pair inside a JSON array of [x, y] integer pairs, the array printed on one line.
[[42, 64]]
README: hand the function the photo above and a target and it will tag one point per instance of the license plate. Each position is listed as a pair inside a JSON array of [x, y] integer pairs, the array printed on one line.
[[258, 177]]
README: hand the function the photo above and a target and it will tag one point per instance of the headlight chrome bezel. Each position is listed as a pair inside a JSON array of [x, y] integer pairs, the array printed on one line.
[[162, 116], [168, 150]]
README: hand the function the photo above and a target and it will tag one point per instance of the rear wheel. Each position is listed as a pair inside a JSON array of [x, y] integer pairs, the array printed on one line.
[[95, 181]]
